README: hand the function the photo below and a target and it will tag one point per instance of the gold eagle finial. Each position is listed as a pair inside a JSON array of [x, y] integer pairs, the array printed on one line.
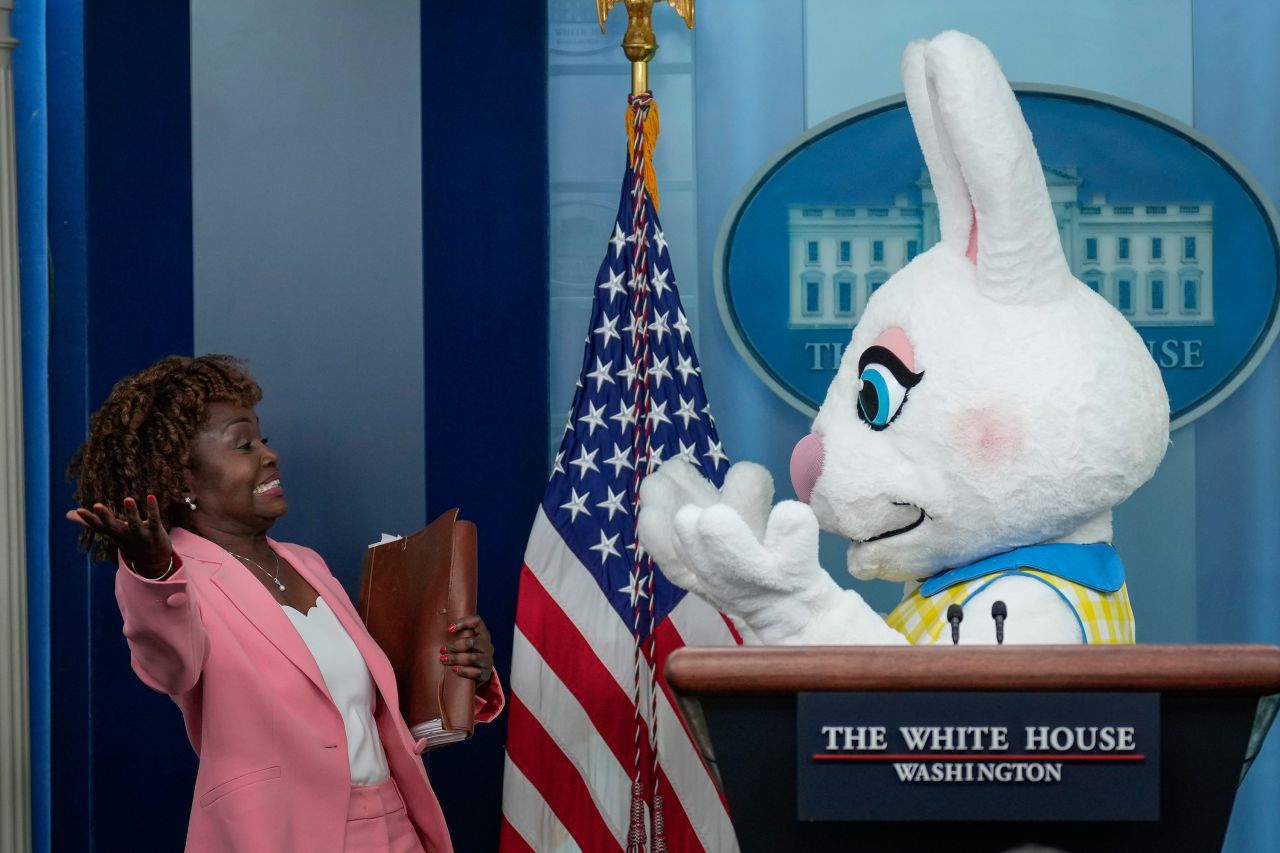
[[639, 43], [684, 8]]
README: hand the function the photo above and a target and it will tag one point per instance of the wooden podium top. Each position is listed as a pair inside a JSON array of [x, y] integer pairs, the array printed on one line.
[[1186, 669]]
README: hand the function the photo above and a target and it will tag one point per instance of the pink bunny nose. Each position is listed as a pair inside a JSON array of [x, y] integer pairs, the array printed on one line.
[[806, 465]]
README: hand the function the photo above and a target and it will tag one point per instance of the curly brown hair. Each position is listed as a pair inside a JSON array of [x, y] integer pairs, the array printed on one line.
[[139, 439]]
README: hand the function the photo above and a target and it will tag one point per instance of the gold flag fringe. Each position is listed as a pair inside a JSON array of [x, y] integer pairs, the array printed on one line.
[[650, 142]]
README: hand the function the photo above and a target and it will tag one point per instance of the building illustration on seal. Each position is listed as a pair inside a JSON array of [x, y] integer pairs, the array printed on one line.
[[1152, 260]]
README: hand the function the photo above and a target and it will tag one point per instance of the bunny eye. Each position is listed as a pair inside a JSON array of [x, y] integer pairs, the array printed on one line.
[[879, 396], [883, 384]]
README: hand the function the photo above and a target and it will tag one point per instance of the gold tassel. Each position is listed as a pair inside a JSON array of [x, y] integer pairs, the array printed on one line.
[[650, 142]]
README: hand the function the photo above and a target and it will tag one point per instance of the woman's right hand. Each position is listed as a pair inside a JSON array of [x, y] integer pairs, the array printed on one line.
[[143, 542]]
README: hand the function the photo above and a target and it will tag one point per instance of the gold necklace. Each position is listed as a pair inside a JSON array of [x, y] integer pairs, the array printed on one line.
[[258, 566]]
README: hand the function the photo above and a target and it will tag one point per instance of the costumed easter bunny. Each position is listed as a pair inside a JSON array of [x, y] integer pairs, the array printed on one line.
[[988, 414]]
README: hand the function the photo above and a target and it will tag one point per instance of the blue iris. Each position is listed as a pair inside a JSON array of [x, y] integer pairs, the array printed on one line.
[[874, 398]]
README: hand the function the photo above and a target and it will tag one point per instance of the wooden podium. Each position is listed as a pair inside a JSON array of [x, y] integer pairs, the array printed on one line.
[[1215, 703]]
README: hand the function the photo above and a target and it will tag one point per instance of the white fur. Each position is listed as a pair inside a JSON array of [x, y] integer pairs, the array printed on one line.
[[1039, 410], [747, 490]]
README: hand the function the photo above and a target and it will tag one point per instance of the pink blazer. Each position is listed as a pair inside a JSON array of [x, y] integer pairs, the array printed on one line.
[[274, 775]]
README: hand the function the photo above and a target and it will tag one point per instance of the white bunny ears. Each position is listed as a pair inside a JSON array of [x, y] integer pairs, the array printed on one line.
[[983, 164]]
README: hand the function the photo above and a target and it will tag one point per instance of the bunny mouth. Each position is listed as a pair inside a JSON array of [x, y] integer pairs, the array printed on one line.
[[900, 530]]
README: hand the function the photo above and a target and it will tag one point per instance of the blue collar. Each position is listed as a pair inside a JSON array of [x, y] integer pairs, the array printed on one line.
[[1096, 566]]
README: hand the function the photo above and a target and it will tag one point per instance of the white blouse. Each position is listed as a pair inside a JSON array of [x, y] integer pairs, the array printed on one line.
[[350, 686]]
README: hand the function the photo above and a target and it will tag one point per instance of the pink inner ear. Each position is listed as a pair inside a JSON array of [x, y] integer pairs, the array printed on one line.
[[895, 340], [972, 252]]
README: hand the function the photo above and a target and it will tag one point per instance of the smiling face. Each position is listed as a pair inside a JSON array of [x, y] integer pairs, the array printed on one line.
[[234, 476], [959, 427]]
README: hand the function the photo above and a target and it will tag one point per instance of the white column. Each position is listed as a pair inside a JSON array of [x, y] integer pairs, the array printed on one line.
[[15, 765]]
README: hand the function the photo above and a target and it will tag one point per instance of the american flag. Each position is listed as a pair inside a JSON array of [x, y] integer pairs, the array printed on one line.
[[597, 758]]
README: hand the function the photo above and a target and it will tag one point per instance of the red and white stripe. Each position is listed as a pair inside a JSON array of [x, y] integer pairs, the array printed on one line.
[[570, 733]]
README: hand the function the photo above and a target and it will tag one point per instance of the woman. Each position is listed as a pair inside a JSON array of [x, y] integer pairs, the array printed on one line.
[[254, 639]]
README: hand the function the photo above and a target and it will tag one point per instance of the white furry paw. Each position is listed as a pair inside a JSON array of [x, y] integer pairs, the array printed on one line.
[[740, 573], [748, 491], [791, 538], [674, 485]]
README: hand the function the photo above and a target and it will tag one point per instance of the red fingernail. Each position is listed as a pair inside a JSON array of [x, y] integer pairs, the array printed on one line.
[[443, 659], [443, 650], [151, 499], [452, 627], [128, 501], [455, 669]]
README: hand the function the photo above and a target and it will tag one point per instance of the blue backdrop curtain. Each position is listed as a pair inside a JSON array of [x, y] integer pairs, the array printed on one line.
[[115, 221], [31, 113], [485, 196]]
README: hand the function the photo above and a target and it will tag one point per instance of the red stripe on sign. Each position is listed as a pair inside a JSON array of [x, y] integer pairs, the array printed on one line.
[[510, 841], [563, 648], [555, 777], [952, 756]]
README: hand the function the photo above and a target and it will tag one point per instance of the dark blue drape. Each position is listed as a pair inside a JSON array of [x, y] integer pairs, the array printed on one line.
[[485, 233], [119, 297]]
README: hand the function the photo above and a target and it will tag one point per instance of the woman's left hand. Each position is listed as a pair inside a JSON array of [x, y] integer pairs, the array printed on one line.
[[469, 650]]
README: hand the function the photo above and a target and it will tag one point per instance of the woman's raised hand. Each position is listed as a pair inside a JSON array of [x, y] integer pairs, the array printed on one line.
[[469, 650], [143, 542]]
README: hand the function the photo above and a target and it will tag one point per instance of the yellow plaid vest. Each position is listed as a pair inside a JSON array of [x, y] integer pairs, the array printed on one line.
[[1104, 617]]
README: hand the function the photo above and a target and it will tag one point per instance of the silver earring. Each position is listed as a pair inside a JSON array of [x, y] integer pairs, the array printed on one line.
[[191, 502]]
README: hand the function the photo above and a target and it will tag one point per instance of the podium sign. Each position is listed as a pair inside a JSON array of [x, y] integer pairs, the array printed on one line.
[[1198, 715], [881, 756]]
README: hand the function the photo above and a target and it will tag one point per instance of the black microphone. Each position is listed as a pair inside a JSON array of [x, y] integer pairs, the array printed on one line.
[[998, 613], [955, 615]]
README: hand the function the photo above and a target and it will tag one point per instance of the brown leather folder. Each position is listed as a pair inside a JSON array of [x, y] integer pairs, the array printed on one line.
[[411, 589]]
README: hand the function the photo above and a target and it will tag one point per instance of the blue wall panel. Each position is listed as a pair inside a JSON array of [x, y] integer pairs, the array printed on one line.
[[307, 250], [1237, 88]]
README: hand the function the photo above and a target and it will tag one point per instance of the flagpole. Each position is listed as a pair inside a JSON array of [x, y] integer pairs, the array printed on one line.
[[639, 43]]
